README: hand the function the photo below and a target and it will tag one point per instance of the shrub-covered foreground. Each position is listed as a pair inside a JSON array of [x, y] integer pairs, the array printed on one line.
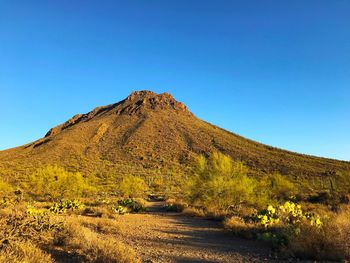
[[19, 252], [300, 223], [39, 233], [298, 234], [220, 185], [129, 206], [267, 208], [92, 246]]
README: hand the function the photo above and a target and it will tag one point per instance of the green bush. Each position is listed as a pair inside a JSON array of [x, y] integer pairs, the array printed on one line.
[[287, 214], [63, 205], [4, 202], [280, 187], [54, 182], [330, 242], [220, 184], [277, 225], [133, 186], [120, 209], [35, 212], [342, 184], [128, 206], [5, 188]]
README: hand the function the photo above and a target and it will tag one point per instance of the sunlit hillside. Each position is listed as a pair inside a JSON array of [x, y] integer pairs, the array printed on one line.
[[62, 196]]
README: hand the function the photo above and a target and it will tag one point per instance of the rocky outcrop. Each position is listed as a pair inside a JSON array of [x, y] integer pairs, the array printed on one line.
[[141, 101], [138, 102]]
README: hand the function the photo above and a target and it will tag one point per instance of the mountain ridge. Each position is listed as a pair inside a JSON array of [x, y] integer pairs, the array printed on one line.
[[156, 133]]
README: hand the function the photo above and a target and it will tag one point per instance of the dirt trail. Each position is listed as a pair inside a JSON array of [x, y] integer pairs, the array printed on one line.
[[172, 237]]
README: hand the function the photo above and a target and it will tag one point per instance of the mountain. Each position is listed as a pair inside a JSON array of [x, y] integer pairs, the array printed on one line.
[[147, 134]]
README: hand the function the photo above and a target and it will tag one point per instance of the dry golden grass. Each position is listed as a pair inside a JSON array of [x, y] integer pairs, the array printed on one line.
[[240, 228], [192, 211], [100, 225], [330, 242], [209, 213], [99, 212], [93, 247], [86, 238], [23, 252], [176, 205]]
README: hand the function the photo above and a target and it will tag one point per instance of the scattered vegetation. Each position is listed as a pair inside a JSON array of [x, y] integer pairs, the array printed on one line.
[[295, 218], [22, 230], [5, 189], [19, 252], [63, 205], [297, 233], [93, 247], [278, 187], [330, 241], [129, 206], [133, 187], [54, 182], [221, 187], [30, 232], [220, 184]]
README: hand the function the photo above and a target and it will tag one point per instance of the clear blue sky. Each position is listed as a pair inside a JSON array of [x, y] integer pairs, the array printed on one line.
[[274, 71]]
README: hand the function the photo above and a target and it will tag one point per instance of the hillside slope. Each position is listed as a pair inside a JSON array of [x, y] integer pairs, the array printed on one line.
[[149, 133]]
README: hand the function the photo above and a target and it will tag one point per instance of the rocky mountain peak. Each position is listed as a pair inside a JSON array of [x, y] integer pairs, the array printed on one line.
[[140, 101]]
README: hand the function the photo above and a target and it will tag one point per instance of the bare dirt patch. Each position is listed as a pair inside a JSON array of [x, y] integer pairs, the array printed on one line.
[[172, 237]]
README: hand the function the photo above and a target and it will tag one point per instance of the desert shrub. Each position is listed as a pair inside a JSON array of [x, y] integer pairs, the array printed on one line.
[[99, 211], [343, 182], [279, 187], [129, 206], [156, 197], [4, 202], [272, 189], [275, 225], [329, 242], [55, 182], [103, 226], [5, 188], [330, 198], [220, 184], [158, 184], [34, 212], [324, 197], [102, 201], [93, 248], [337, 193], [19, 252], [174, 207], [241, 227], [287, 214], [63, 205], [120, 209], [193, 211], [133, 186], [283, 222], [20, 226]]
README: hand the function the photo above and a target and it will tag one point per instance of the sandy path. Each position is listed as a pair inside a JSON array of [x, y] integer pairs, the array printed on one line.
[[172, 237]]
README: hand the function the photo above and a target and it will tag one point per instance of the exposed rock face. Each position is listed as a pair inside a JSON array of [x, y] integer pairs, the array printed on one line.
[[75, 119], [137, 102]]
